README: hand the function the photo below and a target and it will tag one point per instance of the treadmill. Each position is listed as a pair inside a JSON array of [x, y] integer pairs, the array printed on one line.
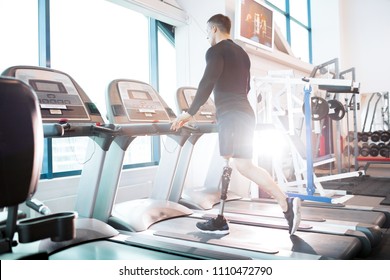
[[337, 221], [67, 111], [21, 161], [136, 109]]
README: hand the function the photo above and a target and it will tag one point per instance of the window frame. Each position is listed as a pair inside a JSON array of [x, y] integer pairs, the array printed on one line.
[[289, 18], [44, 51]]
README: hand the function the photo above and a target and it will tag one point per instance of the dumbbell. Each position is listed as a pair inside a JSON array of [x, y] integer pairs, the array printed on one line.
[[385, 136], [380, 135], [364, 136], [369, 150], [364, 150], [384, 150], [374, 150], [376, 136]]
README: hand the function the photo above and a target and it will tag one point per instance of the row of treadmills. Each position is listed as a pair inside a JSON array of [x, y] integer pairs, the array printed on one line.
[[161, 226]]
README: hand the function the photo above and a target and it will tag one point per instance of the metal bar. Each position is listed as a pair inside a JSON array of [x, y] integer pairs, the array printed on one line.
[[309, 158], [44, 32], [312, 81]]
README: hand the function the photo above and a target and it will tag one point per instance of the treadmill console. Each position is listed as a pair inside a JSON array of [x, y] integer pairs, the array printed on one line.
[[131, 101], [60, 97], [185, 97]]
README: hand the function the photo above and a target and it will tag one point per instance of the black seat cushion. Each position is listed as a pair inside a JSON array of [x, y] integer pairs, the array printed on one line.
[[21, 142]]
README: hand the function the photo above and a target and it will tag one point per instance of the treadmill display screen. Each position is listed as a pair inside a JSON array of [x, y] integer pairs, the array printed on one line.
[[58, 95], [136, 94], [48, 86]]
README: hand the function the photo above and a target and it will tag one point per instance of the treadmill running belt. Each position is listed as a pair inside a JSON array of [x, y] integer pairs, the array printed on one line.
[[320, 214], [262, 239], [216, 241]]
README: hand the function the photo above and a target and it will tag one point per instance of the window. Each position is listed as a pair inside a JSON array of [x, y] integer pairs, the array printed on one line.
[[300, 41], [299, 11], [94, 42], [293, 18], [167, 65], [19, 33], [112, 43], [102, 41], [281, 4]]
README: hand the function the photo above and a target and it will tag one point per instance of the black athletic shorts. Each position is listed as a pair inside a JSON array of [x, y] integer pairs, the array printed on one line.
[[236, 130]]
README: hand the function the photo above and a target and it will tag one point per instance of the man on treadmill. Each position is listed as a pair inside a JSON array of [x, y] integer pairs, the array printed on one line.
[[227, 74]]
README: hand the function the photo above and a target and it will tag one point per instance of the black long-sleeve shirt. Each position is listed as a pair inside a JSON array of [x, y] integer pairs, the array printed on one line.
[[227, 73]]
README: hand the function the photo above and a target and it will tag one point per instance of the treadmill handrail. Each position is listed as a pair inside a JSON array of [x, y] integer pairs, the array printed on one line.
[[52, 130], [155, 128]]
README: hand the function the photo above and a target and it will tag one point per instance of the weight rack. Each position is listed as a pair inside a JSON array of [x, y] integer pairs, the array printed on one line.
[[331, 85], [376, 146]]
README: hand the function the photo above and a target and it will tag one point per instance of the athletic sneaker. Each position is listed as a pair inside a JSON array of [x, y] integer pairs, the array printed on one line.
[[216, 225], [293, 213]]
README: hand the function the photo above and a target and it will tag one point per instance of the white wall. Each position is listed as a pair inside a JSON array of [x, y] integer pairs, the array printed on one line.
[[326, 35], [190, 40], [355, 31], [365, 42], [60, 194]]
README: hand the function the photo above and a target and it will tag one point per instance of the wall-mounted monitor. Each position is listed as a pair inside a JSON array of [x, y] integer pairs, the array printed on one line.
[[254, 23]]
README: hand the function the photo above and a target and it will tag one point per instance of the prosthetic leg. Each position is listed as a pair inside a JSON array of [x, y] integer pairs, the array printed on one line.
[[225, 180], [219, 224]]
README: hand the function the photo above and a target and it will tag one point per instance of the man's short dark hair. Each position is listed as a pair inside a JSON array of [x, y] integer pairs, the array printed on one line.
[[222, 22]]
